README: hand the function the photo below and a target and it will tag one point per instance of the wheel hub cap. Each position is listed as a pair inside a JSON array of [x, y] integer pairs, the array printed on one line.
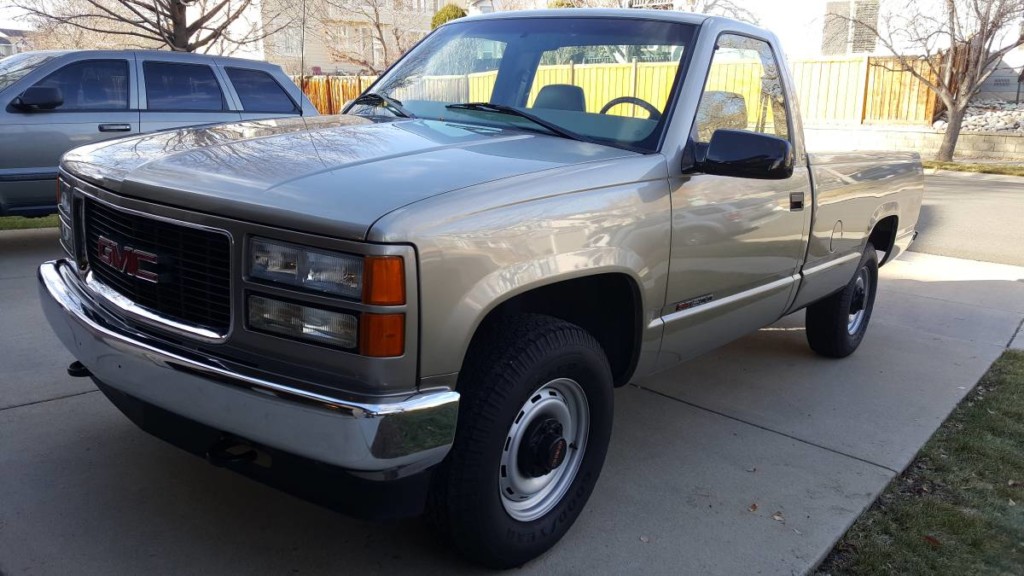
[[543, 449], [858, 302]]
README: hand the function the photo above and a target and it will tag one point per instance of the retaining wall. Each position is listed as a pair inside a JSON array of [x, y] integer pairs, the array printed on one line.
[[970, 145]]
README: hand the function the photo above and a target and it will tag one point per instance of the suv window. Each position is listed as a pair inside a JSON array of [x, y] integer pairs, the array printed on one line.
[[259, 92], [743, 90], [14, 68], [91, 85], [181, 87]]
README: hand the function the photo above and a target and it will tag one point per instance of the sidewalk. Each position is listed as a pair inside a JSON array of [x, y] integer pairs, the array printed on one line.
[[762, 422]]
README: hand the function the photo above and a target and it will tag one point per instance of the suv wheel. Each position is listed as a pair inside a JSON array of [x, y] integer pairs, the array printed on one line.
[[534, 424]]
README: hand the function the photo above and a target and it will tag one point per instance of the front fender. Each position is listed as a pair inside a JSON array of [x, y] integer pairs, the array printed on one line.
[[480, 247]]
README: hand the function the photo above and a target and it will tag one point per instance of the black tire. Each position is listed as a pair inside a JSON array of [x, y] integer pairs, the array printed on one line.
[[831, 327], [502, 373]]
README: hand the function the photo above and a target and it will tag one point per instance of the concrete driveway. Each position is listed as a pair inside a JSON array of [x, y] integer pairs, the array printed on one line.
[[702, 457]]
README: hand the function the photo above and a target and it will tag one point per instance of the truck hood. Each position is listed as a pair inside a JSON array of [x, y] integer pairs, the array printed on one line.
[[333, 175]]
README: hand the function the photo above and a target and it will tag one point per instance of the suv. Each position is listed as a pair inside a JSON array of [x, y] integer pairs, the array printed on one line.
[[55, 101]]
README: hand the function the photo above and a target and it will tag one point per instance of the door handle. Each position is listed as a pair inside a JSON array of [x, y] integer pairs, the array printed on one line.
[[796, 201], [115, 127]]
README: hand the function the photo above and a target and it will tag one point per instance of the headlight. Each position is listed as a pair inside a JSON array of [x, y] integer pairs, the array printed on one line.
[[303, 322], [64, 196], [307, 268]]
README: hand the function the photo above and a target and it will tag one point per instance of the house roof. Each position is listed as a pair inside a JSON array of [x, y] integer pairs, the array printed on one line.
[[13, 34]]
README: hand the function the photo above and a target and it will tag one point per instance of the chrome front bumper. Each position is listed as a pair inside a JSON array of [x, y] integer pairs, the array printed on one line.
[[384, 440]]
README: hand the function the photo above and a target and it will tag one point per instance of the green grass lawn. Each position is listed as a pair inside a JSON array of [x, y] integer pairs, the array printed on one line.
[[959, 507], [1005, 169], [21, 223]]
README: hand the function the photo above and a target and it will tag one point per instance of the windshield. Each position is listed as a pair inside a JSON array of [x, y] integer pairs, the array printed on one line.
[[13, 68], [596, 79]]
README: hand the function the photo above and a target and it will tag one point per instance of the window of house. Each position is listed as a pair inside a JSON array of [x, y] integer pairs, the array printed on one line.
[[91, 85], [743, 90], [259, 92], [289, 41], [182, 87]]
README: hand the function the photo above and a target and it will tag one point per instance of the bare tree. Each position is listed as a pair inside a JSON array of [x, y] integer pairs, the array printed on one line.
[[370, 34], [951, 46], [181, 25], [728, 8], [49, 34]]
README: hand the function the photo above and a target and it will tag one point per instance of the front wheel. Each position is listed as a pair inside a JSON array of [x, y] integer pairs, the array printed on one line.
[[837, 324], [534, 424]]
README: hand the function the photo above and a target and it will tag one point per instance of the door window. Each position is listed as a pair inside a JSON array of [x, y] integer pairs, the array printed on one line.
[[743, 90], [91, 85], [259, 92], [182, 87]]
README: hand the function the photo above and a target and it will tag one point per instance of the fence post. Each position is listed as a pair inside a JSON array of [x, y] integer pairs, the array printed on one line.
[[862, 104], [572, 72], [327, 94]]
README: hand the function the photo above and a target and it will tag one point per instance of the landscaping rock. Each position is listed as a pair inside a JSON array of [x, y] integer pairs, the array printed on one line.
[[988, 116]]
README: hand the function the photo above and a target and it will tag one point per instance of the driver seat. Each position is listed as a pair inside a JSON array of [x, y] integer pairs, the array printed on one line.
[[561, 97]]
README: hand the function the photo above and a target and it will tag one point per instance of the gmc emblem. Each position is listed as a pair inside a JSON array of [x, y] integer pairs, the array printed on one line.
[[126, 260]]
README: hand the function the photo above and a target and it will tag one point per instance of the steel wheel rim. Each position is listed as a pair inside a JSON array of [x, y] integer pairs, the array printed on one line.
[[859, 302], [527, 498]]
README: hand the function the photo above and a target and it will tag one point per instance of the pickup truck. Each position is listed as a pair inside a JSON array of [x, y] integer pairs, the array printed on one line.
[[55, 100], [425, 303]]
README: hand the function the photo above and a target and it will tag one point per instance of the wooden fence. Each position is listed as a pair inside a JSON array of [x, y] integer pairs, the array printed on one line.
[[830, 91]]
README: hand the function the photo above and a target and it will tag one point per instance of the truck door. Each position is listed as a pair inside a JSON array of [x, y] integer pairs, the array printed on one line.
[[98, 104], [737, 243], [179, 94]]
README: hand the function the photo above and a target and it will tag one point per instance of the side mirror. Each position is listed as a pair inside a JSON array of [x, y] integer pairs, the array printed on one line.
[[743, 154], [39, 98]]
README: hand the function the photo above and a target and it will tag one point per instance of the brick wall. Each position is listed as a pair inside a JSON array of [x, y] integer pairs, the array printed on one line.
[[924, 141]]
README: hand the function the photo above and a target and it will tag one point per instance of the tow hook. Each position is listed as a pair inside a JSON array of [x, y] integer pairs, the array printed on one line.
[[78, 370], [230, 451]]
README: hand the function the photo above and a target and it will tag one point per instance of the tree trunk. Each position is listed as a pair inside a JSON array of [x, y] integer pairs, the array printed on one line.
[[179, 27], [956, 118]]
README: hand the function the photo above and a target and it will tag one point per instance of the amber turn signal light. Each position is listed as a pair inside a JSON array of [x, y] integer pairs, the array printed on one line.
[[384, 281], [382, 335]]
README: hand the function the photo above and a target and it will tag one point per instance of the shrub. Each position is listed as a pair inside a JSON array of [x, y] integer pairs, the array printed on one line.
[[447, 13]]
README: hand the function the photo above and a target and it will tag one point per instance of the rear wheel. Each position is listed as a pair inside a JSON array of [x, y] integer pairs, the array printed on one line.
[[837, 324], [534, 424]]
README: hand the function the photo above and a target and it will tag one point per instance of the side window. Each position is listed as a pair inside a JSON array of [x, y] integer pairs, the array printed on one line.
[[743, 90], [259, 92], [91, 85], [182, 87]]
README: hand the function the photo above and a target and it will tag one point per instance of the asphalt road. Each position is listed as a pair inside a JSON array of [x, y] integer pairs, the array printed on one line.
[[973, 216]]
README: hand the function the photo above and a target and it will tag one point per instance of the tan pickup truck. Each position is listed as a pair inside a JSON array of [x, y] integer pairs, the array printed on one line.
[[426, 302]]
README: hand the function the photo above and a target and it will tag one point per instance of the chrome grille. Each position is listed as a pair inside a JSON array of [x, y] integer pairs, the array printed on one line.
[[193, 265]]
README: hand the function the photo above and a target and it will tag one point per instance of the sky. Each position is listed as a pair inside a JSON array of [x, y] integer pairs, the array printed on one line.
[[7, 18]]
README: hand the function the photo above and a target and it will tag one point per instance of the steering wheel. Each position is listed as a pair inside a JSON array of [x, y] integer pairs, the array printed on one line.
[[653, 112]]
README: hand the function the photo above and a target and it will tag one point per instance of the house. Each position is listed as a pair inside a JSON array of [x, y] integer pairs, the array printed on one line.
[[11, 41], [347, 36]]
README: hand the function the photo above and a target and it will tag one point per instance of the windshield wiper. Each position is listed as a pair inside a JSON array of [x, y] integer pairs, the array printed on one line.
[[375, 99], [503, 109]]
